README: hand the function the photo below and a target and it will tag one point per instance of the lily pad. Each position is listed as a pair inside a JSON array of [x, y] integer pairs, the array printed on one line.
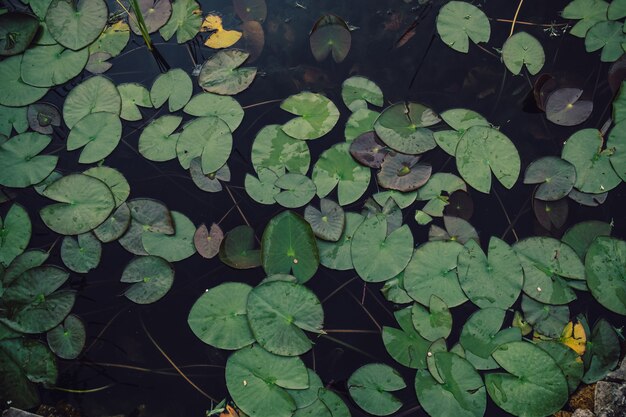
[[432, 323], [157, 141], [174, 86], [221, 74], [98, 134], [42, 117], [50, 65], [237, 249], [328, 38], [253, 38], [552, 215], [81, 255], [564, 108], [23, 262], [603, 352], [219, 317], [403, 172], [288, 247], [112, 40], [15, 92], [219, 37], [17, 31], [208, 137], [360, 122], [208, 182], [67, 339], [457, 230], [151, 278], [336, 168], [76, 24], [15, 233], [580, 236], [405, 344], [296, 190], [357, 91], [207, 104], [134, 95], [274, 149], [113, 179], [96, 94], [371, 385], [523, 49], [114, 226], [458, 22], [172, 247], [337, 255], [403, 127], [568, 361], [207, 242], [317, 115], [556, 177], [327, 222], [589, 12], [155, 14], [299, 309], [146, 215], [617, 145], [185, 21], [546, 319], [607, 36], [250, 10], [460, 120], [13, 118], [84, 202], [262, 189], [604, 267]]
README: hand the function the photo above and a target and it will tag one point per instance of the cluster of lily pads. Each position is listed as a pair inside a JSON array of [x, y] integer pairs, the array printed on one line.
[[266, 326]]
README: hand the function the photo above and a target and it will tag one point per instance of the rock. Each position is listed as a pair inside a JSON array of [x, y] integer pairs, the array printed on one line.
[[15, 412], [619, 374], [610, 399], [582, 412]]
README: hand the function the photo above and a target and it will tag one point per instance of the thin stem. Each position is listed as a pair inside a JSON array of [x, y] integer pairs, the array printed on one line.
[[104, 329], [339, 288], [359, 331], [521, 22], [519, 6], [488, 51], [349, 346], [162, 371], [82, 391], [232, 197], [249, 106], [506, 214]]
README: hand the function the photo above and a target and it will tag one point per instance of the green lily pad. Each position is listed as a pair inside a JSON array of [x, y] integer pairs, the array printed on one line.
[[24, 363], [223, 74], [67, 339], [371, 385], [616, 10], [15, 92], [96, 94], [403, 127], [114, 180], [617, 145], [523, 49], [434, 323], [461, 391], [377, 256], [548, 320], [438, 191], [81, 255], [226, 108], [432, 271], [157, 141], [534, 385], [456, 230], [568, 361], [288, 247], [330, 35], [219, 317], [36, 305], [393, 290], [359, 122], [208, 137], [115, 225], [580, 236], [208, 182], [296, 190], [327, 222], [317, 115], [403, 172], [146, 215], [619, 104], [262, 189], [155, 14], [546, 262], [405, 344], [483, 150], [23, 262], [208, 242], [357, 91], [495, 281], [50, 65], [151, 278], [299, 310], [594, 173], [17, 31], [556, 177], [112, 40], [84, 202], [13, 118], [256, 380], [175, 87], [98, 134], [337, 255], [134, 95], [589, 12], [458, 22], [336, 168], [42, 117], [274, 149], [460, 120], [604, 267], [564, 108], [15, 233], [603, 352], [39, 187], [185, 21], [76, 24], [237, 249], [172, 247], [607, 36]]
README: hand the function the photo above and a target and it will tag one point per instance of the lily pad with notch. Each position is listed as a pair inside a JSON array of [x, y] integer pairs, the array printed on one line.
[[403, 172], [551, 215], [371, 385], [154, 13], [146, 215], [67, 339], [357, 91], [223, 74], [207, 241], [17, 31], [208, 182], [174, 86], [115, 225], [112, 40], [588, 199], [564, 108], [13, 118], [296, 190], [207, 104], [404, 127], [523, 49], [16, 229], [588, 12], [432, 323], [43, 117], [609, 37], [134, 95], [327, 222], [206, 137], [172, 247], [568, 361], [185, 21], [262, 189], [50, 65], [330, 36], [368, 150], [360, 122], [604, 267], [581, 235], [219, 37], [98, 134], [405, 345], [15, 92], [556, 177], [459, 21], [456, 230], [113, 179], [237, 248], [157, 141], [317, 115], [96, 94], [337, 255], [151, 278], [76, 24], [81, 254], [274, 149], [603, 352], [548, 320]]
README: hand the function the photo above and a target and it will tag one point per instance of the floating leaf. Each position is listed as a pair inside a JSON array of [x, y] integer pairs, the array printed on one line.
[[288, 247], [337, 255], [434, 323], [208, 182], [589, 12], [603, 352], [84, 202], [296, 190], [457, 230], [50, 65], [360, 122], [330, 37], [619, 104], [437, 190], [157, 141], [154, 13], [220, 37], [564, 108], [335, 167], [574, 338], [113, 179], [556, 177], [461, 391], [23, 262], [617, 145], [219, 316], [588, 199], [172, 247], [616, 10], [226, 108], [458, 22], [98, 134], [594, 173], [221, 74], [207, 242], [604, 267], [580, 236], [67, 339], [460, 205], [112, 40], [151, 278], [237, 249], [42, 117], [460, 120], [256, 381], [547, 319], [250, 10], [523, 49], [17, 30], [262, 189], [15, 233], [371, 385], [368, 150], [96, 94], [607, 36], [394, 291], [403, 127], [81, 255], [15, 92], [76, 24], [13, 118], [534, 386], [134, 95], [114, 226], [174, 86], [185, 21], [98, 63], [275, 150], [567, 360], [327, 222], [254, 39], [147, 215], [405, 344], [318, 115], [356, 92], [376, 256], [298, 306], [208, 137], [551, 214], [402, 172]]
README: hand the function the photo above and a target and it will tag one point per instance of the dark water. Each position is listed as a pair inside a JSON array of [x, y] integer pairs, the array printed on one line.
[[446, 79]]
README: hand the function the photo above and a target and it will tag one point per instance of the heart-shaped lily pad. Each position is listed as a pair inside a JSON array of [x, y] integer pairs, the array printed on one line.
[[403, 127], [556, 177], [237, 249], [371, 385], [327, 222], [17, 30], [151, 278], [317, 115], [459, 21], [221, 74], [564, 108], [76, 24], [403, 172]]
